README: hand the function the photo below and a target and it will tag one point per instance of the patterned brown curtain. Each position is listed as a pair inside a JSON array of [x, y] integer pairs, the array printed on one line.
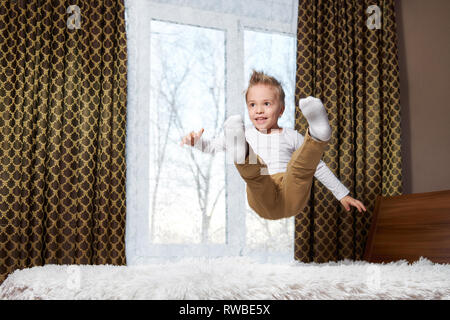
[[62, 125], [354, 71]]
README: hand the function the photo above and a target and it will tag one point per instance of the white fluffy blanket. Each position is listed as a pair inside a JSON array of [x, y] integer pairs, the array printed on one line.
[[232, 278]]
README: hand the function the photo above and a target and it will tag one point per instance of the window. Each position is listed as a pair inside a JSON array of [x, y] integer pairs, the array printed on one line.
[[187, 69], [187, 187]]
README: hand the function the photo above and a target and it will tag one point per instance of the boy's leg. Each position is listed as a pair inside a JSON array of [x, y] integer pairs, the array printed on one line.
[[262, 191], [295, 187]]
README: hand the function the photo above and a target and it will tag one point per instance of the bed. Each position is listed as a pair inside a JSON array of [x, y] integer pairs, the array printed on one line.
[[406, 257], [232, 278]]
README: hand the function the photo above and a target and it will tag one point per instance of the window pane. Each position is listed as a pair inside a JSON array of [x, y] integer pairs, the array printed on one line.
[[187, 196], [275, 55]]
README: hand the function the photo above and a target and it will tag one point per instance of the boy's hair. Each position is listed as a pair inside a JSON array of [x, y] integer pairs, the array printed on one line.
[[259, 77]]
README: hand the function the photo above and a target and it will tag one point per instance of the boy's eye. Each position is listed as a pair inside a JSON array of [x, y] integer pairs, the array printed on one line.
[[252, 104]]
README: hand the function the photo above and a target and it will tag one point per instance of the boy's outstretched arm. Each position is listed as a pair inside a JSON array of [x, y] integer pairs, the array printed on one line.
[[329, 180], [332, 183], [195, 139]]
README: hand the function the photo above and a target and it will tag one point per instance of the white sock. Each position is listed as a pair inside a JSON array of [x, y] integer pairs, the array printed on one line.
[[316, 115], [236, 144]]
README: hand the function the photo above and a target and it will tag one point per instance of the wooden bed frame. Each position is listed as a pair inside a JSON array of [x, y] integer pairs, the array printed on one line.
[[410, 226]]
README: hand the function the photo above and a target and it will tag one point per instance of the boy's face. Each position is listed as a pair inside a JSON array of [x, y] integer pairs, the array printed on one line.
[[264, 107]]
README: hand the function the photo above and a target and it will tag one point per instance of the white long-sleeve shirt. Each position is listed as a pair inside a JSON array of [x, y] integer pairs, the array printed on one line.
[[276, 149]]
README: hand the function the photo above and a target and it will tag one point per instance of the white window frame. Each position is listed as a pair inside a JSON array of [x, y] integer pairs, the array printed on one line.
[[141, 12]]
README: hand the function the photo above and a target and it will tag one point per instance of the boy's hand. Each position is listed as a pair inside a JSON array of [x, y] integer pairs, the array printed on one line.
[[191, 138], [347, 201]]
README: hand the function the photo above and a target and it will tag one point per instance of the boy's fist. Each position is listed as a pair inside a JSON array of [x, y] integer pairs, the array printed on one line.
[[191, 138]]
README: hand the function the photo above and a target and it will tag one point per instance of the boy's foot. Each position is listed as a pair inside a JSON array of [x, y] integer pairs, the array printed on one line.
[[316, 115], [236, 144]]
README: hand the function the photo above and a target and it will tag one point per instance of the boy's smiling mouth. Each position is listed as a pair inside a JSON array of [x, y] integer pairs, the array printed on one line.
[[261, 119]]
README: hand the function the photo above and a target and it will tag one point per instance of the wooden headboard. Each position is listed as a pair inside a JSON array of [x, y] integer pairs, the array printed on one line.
[[410, 226]]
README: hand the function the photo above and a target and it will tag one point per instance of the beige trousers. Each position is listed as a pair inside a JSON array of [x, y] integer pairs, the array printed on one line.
[[283, 194]]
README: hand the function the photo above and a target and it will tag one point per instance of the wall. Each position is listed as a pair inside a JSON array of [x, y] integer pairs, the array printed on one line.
[[423, 29]]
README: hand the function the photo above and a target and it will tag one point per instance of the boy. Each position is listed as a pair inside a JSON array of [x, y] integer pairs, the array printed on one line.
[[277, 187]]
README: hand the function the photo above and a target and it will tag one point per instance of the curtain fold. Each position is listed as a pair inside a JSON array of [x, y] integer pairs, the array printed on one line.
[[62, 127], [354, 71]]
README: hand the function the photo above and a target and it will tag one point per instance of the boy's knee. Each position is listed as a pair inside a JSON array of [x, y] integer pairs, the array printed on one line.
[[293, 208], [260, 211]]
